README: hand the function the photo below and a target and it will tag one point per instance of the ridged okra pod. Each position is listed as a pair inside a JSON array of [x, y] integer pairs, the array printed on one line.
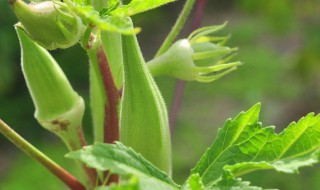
[[144, 124]]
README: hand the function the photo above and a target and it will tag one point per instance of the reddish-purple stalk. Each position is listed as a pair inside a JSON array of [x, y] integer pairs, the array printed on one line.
[[180, 84], [91, 173], [29, 149], [64, 176], [111, 120]]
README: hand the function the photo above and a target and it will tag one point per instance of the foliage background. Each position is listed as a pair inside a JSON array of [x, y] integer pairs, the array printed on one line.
[[279, 42]]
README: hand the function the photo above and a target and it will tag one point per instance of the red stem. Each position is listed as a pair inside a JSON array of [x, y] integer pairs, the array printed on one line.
[[179, 88], [64, 176], [34, 153], [111, 120], [92, 174]]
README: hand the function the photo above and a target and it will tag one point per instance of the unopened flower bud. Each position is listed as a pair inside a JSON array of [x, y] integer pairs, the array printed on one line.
[[49, 23], [196, 58]]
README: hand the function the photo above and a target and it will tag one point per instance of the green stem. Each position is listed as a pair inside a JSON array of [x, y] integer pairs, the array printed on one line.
[[177, 27], [36, 154], [180, 84]]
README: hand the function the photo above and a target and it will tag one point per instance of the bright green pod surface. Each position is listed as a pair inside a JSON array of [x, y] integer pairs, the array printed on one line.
[[144, 124], [51, 91]]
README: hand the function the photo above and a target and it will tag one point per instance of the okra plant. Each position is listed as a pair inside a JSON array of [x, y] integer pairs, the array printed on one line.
[[132, 146]]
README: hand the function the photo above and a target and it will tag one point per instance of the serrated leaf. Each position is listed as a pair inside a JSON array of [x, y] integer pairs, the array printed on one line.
[[138, 6], [104, 22], [225, 139], [253, 147], [194, 182], [122, 160]]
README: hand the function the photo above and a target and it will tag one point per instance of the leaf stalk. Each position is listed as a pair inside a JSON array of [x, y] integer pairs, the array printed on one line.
[[36, 154], [177, 27]]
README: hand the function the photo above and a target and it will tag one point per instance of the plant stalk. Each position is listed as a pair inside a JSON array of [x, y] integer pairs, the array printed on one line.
[[180, 84], [177, 27], [104, 89], [111, 122], [101, 70], [111, 119], [36, 154]]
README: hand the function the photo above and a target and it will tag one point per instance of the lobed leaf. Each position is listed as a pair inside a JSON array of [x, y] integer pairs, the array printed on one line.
[[122, 160], [243, 146]]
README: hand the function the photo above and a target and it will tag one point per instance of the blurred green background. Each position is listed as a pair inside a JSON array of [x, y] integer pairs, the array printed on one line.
[[278, 40]]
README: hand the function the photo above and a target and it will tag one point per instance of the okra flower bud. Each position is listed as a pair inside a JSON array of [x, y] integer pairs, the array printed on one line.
[[59, 108], [49, 23], [196, 58]]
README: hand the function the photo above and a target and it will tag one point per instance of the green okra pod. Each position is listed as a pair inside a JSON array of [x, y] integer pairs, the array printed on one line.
[[59, 108], [143, 120]]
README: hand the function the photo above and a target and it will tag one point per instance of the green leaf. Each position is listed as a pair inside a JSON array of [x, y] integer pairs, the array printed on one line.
[[102, 21], [227, 136], [243, 146], [194, 182], [122, 160], [138, 6]]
